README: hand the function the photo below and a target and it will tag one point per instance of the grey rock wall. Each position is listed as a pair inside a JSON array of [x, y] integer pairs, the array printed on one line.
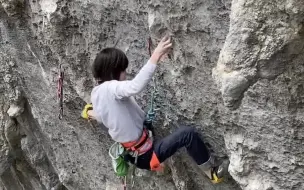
[[236, 73]]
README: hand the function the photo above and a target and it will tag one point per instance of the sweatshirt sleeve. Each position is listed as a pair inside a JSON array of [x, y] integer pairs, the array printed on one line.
[[122, 89]]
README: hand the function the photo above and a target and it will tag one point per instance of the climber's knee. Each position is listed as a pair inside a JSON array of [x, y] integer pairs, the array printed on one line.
[[187, 129]]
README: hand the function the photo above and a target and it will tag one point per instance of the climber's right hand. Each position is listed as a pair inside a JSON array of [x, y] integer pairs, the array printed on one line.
[[91, 115], [162, 49], [87, 112]]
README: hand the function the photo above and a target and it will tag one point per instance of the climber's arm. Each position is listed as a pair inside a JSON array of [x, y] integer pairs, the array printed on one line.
[[89, 114], [121, 89]]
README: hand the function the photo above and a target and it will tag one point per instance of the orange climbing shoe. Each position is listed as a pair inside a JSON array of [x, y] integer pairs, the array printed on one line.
[[84, 113]]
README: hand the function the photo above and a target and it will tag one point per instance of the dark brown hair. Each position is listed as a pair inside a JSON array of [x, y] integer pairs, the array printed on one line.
[[108, 64]]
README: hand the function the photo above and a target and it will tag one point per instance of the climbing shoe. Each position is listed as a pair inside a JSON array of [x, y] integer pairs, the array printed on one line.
[[84, 113], [216, 176], [215, 169], [219, 172]]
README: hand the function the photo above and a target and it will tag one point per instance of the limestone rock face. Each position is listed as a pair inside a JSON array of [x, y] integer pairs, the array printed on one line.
[[236, 72]]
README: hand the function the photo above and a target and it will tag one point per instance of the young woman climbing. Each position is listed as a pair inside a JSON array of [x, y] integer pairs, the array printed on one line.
[[115, 107]]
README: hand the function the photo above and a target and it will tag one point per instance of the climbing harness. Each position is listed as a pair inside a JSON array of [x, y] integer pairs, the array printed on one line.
[[141, 146], [135, 148], [60, 90], [138, 148]]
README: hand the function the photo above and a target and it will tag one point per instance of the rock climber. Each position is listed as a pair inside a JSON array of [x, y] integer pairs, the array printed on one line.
[[114, 106]]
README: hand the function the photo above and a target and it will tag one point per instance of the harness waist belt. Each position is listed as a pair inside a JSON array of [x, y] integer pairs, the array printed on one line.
[[140, 146]]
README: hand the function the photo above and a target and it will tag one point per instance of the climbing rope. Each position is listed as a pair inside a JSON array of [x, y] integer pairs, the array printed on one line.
[[60, 90], [150, 117], [152, 110]]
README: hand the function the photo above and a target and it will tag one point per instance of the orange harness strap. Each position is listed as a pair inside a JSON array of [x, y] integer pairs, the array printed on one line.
[[131, 145], [144, 140], [141, 146]]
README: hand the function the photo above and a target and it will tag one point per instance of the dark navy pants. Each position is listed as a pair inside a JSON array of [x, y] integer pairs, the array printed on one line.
[[186, 137]]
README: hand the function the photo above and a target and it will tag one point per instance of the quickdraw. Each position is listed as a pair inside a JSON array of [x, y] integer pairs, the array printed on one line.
[[132, 180], [133, 170], [150, 46], [124, 183], [60, 91]]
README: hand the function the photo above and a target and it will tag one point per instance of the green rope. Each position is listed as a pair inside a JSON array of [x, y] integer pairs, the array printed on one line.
[[150, 117]]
